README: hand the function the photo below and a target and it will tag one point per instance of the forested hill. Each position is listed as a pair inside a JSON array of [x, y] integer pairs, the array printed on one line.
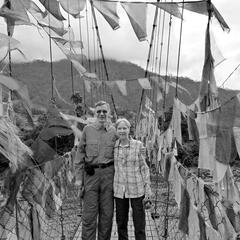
[[36, 75]]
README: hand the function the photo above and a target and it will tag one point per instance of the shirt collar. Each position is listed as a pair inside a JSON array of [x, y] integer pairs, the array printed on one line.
[[107, 126], [117, 144]]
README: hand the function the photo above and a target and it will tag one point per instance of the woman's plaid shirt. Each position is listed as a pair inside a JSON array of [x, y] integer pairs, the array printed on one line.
[[132, 177]]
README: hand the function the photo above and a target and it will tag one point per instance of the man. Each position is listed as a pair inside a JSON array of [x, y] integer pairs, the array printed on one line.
[[95, 172]]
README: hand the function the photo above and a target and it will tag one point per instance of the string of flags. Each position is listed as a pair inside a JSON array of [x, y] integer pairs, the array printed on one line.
[[15, 12], [51, 20]]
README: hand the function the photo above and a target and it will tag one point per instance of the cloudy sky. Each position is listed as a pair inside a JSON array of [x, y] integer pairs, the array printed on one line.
[[123, 45]]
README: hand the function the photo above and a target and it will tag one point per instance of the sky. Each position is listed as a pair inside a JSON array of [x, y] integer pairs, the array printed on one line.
[[123, 45]]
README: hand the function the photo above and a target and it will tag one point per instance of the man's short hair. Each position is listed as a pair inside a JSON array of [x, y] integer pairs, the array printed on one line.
[[102, 103]]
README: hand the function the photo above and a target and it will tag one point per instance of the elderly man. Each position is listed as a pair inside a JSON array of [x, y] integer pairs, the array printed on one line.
[[95, 172]]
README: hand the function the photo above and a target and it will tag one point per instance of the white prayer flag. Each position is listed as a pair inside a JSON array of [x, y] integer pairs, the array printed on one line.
[[122, 86], [144, 82], [137, 14]]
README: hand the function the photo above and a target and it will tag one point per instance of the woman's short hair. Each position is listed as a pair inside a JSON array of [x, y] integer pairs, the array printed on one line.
[[128, 124]]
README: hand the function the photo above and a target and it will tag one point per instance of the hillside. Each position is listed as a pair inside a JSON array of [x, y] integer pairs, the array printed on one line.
[[37, 76]]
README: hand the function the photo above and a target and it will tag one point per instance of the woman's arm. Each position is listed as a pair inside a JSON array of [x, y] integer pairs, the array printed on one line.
[[145, 172]]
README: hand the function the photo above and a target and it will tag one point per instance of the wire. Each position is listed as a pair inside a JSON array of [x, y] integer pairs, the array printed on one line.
[[150, 2], [102, 54], [179, 52], [51, 60], [166, 70], [70, 43], [148, 60], [161, 49], [235, 69]]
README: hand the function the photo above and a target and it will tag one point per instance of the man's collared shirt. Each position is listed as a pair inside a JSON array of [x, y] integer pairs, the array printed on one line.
[[132, 177], [96, 146]]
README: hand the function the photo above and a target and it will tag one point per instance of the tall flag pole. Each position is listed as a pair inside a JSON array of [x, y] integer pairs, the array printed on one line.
[[101, 49], [148, 60]]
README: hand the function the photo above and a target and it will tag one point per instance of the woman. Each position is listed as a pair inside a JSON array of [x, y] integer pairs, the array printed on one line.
[[131, 181]]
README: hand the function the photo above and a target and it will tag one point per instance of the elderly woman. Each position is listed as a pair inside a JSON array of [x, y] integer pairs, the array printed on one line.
[[131, 181]]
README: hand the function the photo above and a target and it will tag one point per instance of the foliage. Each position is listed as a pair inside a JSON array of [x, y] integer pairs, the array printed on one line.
[[36, 75]]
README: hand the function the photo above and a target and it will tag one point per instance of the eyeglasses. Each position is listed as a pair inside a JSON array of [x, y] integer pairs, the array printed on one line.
[[103, 111]]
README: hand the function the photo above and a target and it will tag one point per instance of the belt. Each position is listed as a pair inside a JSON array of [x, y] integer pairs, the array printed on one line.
[[102, 165]]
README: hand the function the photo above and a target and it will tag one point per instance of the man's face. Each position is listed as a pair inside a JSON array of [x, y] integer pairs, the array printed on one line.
[[102, 112]]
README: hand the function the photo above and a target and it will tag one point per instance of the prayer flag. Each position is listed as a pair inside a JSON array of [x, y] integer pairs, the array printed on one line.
[[202, 8], [144, 82], [208, 93], [87, 84], [171, 8], [109, 12], [137, 14], [73, 7], [122, 86], [53, 7]]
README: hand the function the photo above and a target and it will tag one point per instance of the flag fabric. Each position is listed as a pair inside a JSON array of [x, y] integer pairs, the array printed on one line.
[[148, 102], [111, 85], [1, 102], [144, 82], [220, 19], [159, 95], [55, 138], [197, 7], [53, 7], [122, 86], [14, 14], [20, 7], [208, 93], [109, 12], [202, 7], [68, 40], [73, 7], [36, 11], [47, 20], [78, 66], [171, 8], [137, 14], [87, 84], [216, 52], [6, 41]]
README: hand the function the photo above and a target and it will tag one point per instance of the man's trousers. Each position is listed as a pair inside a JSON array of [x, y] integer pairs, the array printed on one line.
[[98, 204]]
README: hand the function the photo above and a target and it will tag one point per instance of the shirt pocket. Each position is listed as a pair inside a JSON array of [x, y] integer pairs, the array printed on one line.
[[92, 149], [109, 150]]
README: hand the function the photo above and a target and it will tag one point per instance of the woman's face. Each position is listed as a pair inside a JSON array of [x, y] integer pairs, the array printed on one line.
[[123, 131]]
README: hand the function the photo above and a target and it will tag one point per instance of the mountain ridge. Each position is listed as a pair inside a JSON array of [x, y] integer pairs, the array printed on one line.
[[36, 75]]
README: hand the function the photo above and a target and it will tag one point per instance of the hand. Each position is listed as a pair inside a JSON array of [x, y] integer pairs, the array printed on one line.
[[147, 197], [78, 183], [148, 193], [80, 192], [143, 151]]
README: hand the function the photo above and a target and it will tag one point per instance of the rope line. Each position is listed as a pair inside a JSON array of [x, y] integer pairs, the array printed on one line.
[[148, 60], [150, 2], [101, 50], [235, 69], [51, 59], [179, 52], [81, 50], [161, 48], [167, 59], [71, 65], [157, 55]]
